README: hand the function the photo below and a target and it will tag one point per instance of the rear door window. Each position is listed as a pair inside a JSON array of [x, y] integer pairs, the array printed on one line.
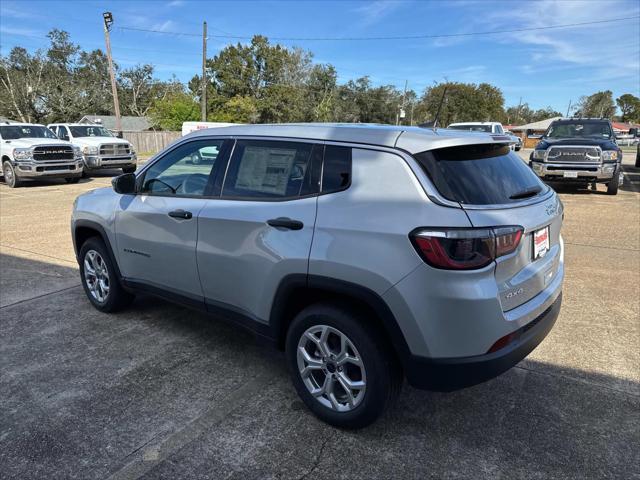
[[267, 169], [480, 174]]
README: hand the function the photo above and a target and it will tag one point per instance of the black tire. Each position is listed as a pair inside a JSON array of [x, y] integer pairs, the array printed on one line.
[[196, 158], [117, 298], [129, 169], [9, 174], [612, 186], [638, 156], [72, 179], [383, 373]]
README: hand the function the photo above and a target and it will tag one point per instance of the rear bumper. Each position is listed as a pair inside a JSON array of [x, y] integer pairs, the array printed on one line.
[[448, 374]]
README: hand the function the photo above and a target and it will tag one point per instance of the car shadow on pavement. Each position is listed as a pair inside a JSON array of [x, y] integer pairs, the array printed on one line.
[[161, 391]]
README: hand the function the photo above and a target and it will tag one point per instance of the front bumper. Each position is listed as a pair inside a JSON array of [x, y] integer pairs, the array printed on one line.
[[97, 162], [33, 169], [581, 172], [448, 374]]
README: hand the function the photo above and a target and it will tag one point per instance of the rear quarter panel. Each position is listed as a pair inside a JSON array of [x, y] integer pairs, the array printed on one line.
[[362, 233]]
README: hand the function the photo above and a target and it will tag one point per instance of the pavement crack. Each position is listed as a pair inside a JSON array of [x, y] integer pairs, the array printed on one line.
[[38, 297], [316, 461]]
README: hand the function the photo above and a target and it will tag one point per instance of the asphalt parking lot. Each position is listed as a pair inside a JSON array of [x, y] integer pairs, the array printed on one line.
[[159, 391]]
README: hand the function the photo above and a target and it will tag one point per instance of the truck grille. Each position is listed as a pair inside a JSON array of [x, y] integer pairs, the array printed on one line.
[[114, 149], [52, 153], [573, 155]]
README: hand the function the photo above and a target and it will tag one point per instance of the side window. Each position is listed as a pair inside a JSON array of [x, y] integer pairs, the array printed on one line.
[[336, 171], [267, 169], [63, 134], [499, 129], [184, 171]]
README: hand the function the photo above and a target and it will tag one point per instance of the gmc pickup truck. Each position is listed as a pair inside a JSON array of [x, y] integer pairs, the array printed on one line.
[[34, 152], [579, 150]]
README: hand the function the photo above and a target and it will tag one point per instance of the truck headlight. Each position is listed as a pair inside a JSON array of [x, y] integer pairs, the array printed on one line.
[[539, 154], [77, 153], [90, 150], [22, 154], [609, 155]]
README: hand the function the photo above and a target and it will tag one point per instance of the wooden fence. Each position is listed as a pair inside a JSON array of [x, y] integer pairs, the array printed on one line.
[[150, 141]]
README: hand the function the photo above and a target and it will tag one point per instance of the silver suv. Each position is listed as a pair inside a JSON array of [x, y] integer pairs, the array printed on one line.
[[368, 254]]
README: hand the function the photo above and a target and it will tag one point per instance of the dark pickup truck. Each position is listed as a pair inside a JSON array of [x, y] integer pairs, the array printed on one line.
[[579, 150]]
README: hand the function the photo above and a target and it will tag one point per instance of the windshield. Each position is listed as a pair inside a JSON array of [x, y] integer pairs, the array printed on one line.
[[573, 130], [13, 132], [89, 131], [472, 128]]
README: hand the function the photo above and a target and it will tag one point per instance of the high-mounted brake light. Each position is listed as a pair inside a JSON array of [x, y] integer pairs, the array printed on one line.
[[465, 248]]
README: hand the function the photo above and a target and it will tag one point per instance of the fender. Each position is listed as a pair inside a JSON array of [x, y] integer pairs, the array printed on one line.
[[291, 283], [81, 223]]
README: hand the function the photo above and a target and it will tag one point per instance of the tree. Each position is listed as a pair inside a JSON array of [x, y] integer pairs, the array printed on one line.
[[22, 77], [170, 112], [630, 107], [464, 102], [600, 105]]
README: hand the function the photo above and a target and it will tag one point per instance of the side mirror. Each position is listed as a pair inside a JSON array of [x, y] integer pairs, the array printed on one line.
[[124, 184]]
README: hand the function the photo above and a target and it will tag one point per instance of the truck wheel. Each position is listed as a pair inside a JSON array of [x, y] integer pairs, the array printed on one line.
[[10, 175], [72, 179], [99, 280], [342, 368], [196, 158], [612, 186], [128, 169]]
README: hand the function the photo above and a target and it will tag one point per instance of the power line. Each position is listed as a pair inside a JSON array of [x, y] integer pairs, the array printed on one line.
[[399, 37]]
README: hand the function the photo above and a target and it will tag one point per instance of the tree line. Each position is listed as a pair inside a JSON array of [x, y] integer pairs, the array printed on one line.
[[258, 82]]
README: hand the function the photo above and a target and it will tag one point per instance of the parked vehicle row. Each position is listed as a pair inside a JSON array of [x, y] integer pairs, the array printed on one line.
[[69, 151], [368, 254]]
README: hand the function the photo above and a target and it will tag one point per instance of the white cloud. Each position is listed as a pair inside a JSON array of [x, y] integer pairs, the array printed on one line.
[[176, 3], [372, 12]]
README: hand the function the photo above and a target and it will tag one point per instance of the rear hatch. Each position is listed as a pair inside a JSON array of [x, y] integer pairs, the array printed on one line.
[[496, 188]]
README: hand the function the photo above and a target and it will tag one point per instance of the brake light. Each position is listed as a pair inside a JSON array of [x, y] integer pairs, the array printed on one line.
[[465, 248]]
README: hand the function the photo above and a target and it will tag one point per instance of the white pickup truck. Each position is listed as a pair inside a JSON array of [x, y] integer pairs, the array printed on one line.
[[32, 151], [100, 149], [494, 128]]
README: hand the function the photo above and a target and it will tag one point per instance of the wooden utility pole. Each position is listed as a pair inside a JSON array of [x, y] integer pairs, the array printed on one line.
[[569, 108], [203, 97], [108, 21], [401, 113]]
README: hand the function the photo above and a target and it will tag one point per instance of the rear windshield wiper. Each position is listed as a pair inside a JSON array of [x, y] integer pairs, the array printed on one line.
[[526, 193]]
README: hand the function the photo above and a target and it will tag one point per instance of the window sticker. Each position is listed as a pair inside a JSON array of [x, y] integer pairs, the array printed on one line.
[[265, 170]]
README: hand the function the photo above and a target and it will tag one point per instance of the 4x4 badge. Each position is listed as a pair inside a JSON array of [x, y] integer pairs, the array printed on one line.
[[551, 209]]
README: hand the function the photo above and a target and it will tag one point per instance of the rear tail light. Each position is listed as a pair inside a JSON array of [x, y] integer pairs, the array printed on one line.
[[465, 248]]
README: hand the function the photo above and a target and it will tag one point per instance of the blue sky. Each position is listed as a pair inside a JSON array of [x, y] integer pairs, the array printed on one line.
[[547, 67]]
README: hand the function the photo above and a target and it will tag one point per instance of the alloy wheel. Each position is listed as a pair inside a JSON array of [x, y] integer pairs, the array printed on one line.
[[331, 368], [96, 276]]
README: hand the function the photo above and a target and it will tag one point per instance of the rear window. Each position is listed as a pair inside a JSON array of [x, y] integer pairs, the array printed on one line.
[[480, 174]]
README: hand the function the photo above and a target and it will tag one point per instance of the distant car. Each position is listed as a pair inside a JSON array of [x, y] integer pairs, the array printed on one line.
[[495, 128], [517, 145], [579, 150], [100, 148], [31, 152]]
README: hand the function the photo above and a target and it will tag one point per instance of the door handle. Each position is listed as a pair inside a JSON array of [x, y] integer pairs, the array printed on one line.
[[284, 222], [183, 214]]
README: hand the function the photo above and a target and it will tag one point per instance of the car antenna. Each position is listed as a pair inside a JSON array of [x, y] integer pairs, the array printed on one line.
[[435, 121]]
